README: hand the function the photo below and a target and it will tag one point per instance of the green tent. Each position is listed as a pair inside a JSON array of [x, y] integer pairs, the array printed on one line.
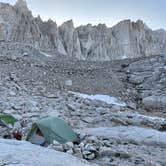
[[49, 129]]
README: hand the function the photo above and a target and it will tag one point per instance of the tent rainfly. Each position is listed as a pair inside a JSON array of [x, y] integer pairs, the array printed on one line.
[[49, 129]]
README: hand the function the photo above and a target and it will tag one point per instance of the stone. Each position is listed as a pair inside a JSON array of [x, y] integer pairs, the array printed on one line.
[[25, 54], [87, 119], [162, 127], [105, 151], [81, 145], [68, 146], [116, 108], [88, 155], [71, 107], [56, 143], [139, 160], [12, 93], [91, 139], [89, 147], [17, 125], [153, 102], [68, 83], [70, 151], [132, 105], [57, 147], [135, 79], [118, 121], [8, 111], [17, 116], [78, 152]]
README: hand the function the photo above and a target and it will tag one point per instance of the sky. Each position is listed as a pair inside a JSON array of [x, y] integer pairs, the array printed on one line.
[[110, 12]]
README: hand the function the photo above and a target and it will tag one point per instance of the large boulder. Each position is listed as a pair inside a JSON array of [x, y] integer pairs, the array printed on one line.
[[24, 153], [154, 102]]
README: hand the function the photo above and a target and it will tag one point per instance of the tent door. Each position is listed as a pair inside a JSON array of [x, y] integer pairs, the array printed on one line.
[[37, 138]]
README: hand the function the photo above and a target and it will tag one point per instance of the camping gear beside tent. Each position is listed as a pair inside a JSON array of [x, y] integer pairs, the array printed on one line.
[[5, 120], [49, 129]]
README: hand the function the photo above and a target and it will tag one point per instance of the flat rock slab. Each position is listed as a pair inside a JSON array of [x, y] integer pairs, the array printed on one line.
[[137, 134], [26, 154]]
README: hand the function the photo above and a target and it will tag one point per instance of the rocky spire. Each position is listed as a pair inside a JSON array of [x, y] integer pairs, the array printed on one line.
[[21, 5]]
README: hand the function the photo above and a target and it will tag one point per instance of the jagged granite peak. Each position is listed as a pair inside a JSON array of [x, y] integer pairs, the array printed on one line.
[[21, 5], [127, 39], [66, 31]]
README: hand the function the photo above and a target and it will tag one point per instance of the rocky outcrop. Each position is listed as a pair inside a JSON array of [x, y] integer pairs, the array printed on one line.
[[25, 153], [147, 136], [125, 40], [155, 102], [147, 76]]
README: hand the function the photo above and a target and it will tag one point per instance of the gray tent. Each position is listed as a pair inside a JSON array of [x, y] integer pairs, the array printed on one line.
[[50, 129]]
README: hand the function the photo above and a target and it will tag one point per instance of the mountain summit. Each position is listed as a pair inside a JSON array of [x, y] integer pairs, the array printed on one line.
[[127, 39], [21, 5]]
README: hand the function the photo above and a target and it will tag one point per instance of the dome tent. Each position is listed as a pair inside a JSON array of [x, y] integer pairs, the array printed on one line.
[[49, 129]]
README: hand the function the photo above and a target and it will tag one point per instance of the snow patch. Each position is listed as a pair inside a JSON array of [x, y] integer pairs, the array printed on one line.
[[104, 98], [150, 117], [45, 54], [124, 56]]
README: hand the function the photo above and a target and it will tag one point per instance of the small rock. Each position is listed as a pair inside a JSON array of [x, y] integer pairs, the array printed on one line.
[[56, 143], [70, 144], [56, 147], [89, 147], [81, 145], [91, 139], [87, 120], [132, 106], [12, 93], [105, 151], [69, 83], [25, 54], [116, 108], [88, 155], [139, 160], [162, 127], [17, 125], [17, 116], [119, 121], [71, 107], [78, 152], [70, 151], [8, 111]]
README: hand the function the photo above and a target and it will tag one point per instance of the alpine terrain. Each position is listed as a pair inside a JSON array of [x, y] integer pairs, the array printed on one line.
[[107, 84]]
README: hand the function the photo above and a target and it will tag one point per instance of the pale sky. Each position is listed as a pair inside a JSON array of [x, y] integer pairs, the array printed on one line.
[[110, 12]]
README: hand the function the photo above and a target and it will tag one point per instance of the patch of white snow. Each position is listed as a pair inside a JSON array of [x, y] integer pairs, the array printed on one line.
[[104, 98], [45, 54]]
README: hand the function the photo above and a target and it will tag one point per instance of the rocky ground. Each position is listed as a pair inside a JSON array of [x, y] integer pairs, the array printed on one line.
[[38, 85]]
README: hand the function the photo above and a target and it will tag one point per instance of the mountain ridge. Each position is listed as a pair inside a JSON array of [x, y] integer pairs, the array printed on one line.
[[126, 39]]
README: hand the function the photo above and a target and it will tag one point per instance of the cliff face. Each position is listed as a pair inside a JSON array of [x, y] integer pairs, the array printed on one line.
[[125, 40]]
